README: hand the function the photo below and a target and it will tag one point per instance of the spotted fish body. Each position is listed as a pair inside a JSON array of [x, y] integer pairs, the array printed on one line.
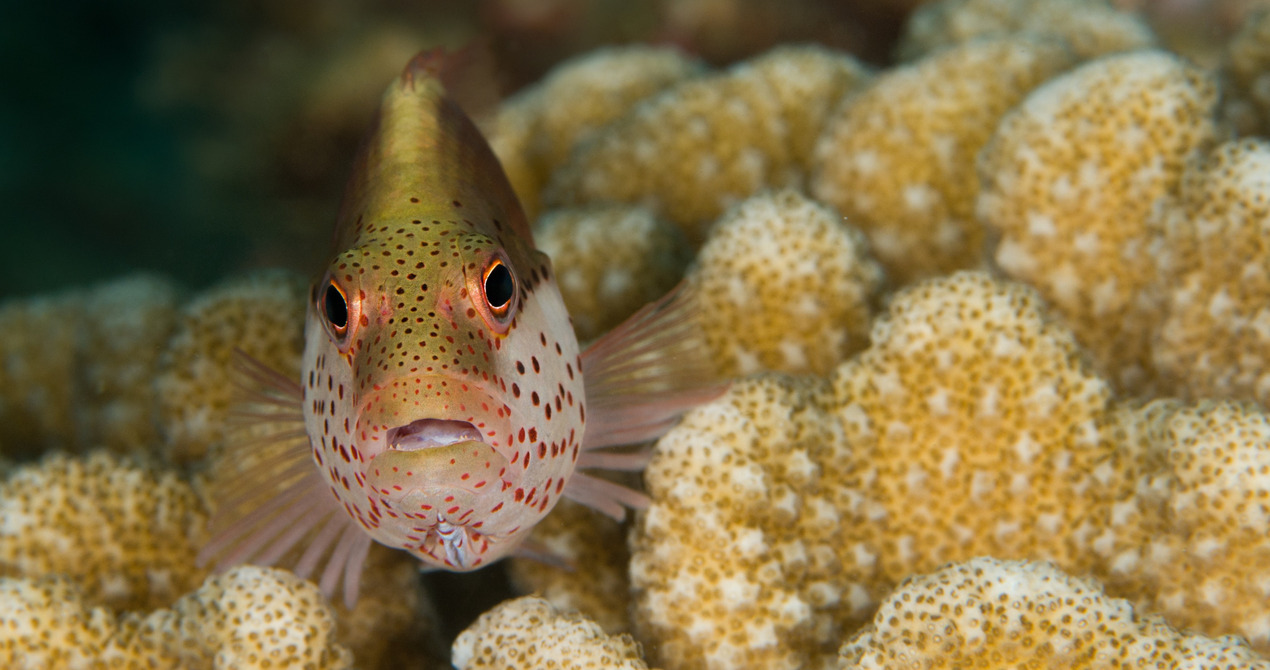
[[424, 353], [446, 404]]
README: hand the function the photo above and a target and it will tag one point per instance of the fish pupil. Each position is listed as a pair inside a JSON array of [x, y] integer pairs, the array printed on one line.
[[335, 307], [498, 286]]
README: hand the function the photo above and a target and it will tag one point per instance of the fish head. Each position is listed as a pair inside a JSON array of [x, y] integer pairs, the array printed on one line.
[[443, 389]]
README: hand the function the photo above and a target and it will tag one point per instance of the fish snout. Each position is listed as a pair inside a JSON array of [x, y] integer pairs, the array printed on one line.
[[431, 411]]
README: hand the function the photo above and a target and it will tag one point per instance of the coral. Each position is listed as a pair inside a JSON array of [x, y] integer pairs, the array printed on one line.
[[76, 367], [126, 325], [775, 261], [263, 315], [535, 131], [37, 379], [968, 427], [893, 158], [1070, 179], [594, 581], [1246, 77], [610, 260], [700, 146], [529, 633], [250, 618], [127, 535], [1091, 27], [1215, 339], [1193, 541], [744, 559], [987, 613], [981, 430], [393, 624], [45, 624]]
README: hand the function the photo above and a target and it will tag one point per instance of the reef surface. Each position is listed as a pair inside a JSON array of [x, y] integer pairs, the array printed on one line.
[[998, 318]]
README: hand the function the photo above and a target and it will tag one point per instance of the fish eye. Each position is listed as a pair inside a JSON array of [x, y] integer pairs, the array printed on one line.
[[335, 308], [500, 288]]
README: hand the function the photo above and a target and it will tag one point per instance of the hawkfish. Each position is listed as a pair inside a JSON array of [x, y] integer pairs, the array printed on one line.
[[444, 405]]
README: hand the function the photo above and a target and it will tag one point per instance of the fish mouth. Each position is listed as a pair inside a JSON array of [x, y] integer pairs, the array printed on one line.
[[432, 433]]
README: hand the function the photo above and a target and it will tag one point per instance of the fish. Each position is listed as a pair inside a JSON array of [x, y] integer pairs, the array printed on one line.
[[444, 405]]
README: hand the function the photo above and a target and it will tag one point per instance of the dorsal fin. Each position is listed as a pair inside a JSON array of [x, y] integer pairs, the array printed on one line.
[[469, 75], [422, 146]]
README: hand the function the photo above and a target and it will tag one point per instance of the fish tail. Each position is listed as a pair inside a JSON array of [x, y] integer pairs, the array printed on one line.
[[270, 500]]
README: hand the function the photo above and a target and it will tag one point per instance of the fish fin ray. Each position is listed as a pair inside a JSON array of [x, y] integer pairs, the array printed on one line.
[[609, 498], [537, 551], [271, 501], [641, 376], [621, 461]]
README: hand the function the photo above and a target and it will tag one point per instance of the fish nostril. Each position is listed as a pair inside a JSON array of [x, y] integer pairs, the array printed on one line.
[[430, 433]]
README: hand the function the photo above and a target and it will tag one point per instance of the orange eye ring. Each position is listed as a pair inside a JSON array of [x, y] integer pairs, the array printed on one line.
[[333, 304], [498, 287]]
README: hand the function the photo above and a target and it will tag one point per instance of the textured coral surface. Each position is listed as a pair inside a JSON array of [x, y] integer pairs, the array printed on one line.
[[986, 613], [1071, 176], [1215, 341], [530, 633], [995, 314], [778, 259], [894, 158]]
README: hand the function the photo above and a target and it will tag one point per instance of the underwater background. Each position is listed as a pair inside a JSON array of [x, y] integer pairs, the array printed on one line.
[[196, 139]]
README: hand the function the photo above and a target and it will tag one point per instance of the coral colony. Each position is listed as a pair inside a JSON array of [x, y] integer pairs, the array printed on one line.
[[997, 319]]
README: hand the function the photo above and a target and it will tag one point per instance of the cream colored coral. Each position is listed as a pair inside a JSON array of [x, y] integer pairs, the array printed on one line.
[[126, 534], [253, 617], [986, 613], [1215, 339], [249, 618], [745, 557], [1070, 179], [784, 285], [38, 372], [610, 260], [263, 315], [980, 427], [45, 624], [76, 368], [708, 142], [1091, 27], [784, 510], [1246, 73], [529, 633], [534, 132], [894, 158], [127, 324], [594, 581], [393, 624], [1193, 540]]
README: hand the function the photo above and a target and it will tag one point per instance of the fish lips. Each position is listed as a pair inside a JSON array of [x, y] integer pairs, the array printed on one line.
[[438, 411], [431, 433]]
